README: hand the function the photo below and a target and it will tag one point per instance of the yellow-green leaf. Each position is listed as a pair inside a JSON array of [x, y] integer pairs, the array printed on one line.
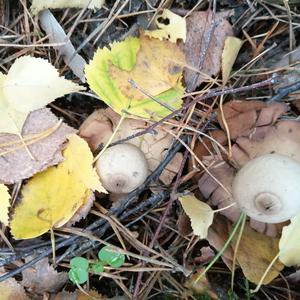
[[154, 66], [171, 27], [4, 204], [200, 214], [289, 244]]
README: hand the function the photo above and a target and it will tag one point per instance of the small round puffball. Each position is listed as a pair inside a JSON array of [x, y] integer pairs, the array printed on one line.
[[267, 188], [122, 168]]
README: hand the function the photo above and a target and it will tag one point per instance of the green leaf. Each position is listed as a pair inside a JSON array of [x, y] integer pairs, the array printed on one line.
[[79, 263], [78, 275], [111, 257], [98, 267]]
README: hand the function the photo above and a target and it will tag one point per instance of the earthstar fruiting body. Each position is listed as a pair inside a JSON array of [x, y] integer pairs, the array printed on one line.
[[267, 188], [122, 168]]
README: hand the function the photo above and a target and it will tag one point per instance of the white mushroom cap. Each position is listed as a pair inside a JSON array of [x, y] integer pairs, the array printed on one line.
[[267, 188], [122, 168]]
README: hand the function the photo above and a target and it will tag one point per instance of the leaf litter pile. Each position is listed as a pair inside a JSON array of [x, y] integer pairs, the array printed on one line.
[[149, 149]]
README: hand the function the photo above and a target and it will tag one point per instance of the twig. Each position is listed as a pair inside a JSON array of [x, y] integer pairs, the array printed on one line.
[[284, 92]]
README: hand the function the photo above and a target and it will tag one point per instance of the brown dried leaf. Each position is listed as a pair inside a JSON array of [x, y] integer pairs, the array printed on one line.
[[17, 164], [282, 138], [242, 116], [184, 224], [206, 35], [255, 263], [43, 278]]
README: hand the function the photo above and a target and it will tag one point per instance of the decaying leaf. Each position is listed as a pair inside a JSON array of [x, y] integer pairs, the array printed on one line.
[[37, 83], [4, 204], [206, 35], [231, 49], [171, 27], [100, 125], [43, 278], [10, 289], [255, 263], [200, 213], [289, 244], [15, 163], [153, 66], [39, 5], [52, 197]]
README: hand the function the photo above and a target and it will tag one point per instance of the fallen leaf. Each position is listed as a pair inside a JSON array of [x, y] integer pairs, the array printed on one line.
[[24, 81], [15, 163], [154, 66], [83, 171], [200, 213], [255, 263], [289, 244], [4, 204], [231, 49], [39, 5], [52, 197], [171, 27], [43, 278], [206, 35], [282, 138], [10, 289], [243, 116]]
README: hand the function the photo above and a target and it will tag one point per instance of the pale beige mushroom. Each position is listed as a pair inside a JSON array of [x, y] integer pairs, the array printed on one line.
[[122, 168], [267, 188]]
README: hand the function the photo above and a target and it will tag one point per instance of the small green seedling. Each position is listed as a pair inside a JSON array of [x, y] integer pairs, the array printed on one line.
[[111, 257], [79, 272]]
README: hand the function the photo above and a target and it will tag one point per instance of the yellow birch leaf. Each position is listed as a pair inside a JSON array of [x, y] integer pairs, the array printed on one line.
[[78, 149], [31, 83], [4, 204], [155, 66], [171, 27], [255, 253], [52, 197], [231, 49], [289, 244], [200, 214], [49, 198]]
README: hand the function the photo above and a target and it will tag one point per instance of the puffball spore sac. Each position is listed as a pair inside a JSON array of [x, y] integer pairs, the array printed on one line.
[[122, 168], [267, 188]]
